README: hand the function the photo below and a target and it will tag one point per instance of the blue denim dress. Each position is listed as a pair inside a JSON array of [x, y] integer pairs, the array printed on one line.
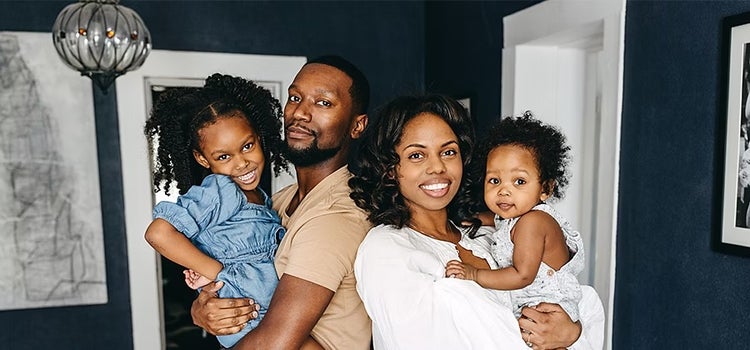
[[243, 236]]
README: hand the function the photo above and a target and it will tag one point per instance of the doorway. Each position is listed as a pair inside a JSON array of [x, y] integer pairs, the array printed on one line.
[[562, 60]]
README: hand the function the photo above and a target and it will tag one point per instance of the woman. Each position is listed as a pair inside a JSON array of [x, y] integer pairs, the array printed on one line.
[[411, 182]]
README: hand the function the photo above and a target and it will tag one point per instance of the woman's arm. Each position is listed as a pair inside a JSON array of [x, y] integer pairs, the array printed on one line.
[[174, 246], [551, 327], [413, 306]]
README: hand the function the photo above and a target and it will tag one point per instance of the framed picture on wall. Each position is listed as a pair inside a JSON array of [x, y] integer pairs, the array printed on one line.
[[733, 233]]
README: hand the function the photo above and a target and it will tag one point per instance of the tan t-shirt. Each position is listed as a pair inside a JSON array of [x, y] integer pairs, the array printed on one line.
[[320, 245]]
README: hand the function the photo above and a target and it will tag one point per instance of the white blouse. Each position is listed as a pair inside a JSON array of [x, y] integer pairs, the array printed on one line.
[[400, 278]]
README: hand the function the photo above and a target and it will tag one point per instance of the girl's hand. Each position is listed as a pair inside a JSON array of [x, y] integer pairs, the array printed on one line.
[[457, 269], [195, 280]]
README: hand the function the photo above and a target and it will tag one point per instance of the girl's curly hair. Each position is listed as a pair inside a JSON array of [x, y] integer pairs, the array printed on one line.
[[544, 141], [374, 186], [179, 113]]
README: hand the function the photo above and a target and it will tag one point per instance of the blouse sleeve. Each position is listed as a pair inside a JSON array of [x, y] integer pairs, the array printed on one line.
[[215, 201], [592, 321], [413, 307]]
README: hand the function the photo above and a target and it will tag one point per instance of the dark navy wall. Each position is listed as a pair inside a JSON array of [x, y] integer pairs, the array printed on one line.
[[672, 291], [385, 39], [464, 42]]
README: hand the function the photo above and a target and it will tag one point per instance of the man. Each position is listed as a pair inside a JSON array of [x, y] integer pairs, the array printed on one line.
[[316, 295]]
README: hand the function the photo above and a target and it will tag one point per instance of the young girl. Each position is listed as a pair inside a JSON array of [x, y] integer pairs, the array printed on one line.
[[214, 142], [538, 252]]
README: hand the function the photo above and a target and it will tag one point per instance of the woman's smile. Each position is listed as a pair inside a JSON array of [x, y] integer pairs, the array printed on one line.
[[436, 188]]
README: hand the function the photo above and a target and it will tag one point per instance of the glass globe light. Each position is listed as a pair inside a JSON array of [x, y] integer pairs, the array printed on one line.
[[101, 39]]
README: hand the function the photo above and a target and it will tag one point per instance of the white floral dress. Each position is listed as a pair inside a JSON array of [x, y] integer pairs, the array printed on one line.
[[558, 287]]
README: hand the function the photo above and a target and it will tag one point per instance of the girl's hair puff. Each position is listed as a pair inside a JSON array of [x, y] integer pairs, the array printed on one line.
[[544, 141], [375, 186], [179, 113]]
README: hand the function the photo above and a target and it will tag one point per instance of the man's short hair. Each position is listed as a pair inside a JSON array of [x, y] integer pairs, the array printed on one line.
[[360, 89]]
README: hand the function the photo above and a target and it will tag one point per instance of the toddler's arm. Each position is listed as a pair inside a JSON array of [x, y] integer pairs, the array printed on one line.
[[528, 238], [174, 246]]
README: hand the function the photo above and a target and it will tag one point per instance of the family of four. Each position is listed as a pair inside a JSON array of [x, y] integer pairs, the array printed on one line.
[[391, 257]]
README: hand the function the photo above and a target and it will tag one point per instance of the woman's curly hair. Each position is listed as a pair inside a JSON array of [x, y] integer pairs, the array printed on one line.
[[375, 186], [180, 113], [544, 141]]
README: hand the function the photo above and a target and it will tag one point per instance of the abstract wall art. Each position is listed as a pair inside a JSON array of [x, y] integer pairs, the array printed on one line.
[[52, 250]]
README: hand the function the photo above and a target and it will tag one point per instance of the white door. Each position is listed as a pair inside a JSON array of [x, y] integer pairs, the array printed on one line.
[[171, 68], [563, 61]]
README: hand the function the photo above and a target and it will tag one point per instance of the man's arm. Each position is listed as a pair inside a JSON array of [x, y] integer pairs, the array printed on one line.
[[295, 308], [221, 316]]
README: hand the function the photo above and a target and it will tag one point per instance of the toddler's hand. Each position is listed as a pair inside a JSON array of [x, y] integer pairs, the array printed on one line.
[[457, 269], [195, 280]]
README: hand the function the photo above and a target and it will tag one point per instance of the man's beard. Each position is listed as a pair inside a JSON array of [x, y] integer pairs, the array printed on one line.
[[311, 155]]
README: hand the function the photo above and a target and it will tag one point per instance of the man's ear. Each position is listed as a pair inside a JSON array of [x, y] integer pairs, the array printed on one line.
[[359, 124], [201, 159]]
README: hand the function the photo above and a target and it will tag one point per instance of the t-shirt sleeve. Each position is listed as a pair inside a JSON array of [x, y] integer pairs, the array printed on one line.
[[324, 248], [215, 201]]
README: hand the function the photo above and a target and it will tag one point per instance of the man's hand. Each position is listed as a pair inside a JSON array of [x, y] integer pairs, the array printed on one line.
[[221, 316], [547, 326]]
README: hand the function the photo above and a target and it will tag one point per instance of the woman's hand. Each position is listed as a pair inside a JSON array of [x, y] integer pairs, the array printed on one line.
[[221, 316], [547, 326]]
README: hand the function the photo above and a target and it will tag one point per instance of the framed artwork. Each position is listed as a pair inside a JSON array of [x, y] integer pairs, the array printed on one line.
[[733, 234], [165, 69], [50, 208]]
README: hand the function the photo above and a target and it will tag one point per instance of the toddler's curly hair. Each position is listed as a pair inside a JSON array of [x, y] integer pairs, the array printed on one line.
[[544, 141]]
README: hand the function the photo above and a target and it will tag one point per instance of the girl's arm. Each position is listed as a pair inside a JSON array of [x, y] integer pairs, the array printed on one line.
[[174, 246]]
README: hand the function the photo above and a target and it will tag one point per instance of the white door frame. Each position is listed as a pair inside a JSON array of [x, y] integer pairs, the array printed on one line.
[[133, 91], [571, 41]]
